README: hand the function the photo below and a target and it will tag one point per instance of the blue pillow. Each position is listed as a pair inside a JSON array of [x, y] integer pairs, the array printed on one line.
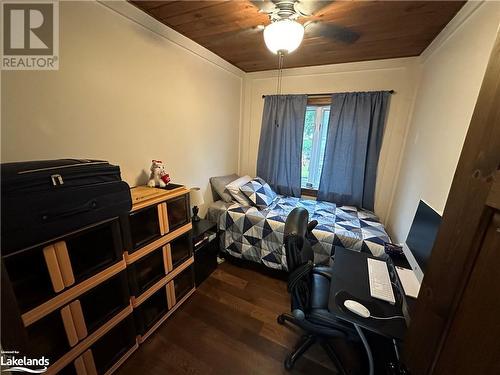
[[258, 192]]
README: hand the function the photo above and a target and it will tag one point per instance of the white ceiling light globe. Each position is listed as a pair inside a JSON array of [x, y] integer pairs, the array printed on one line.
[[284, 35]]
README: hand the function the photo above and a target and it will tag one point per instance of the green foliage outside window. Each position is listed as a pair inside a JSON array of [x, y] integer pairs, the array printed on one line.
[[309, 125]]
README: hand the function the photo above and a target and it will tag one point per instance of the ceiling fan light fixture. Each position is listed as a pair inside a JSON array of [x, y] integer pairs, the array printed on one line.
[[283, 35]]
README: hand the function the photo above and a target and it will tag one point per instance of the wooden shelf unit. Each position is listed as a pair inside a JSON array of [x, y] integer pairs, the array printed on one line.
[[162, 259], [84, 266]]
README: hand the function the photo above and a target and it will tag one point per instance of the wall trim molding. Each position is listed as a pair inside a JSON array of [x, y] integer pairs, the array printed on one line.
[[358, 66], [134, 14], [451, 28]]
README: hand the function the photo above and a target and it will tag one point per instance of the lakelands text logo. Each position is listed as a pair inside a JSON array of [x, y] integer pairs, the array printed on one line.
[[30, 35], [11, 361]]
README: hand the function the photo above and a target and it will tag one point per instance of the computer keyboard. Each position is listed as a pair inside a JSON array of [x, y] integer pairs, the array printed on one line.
[[380, 282]]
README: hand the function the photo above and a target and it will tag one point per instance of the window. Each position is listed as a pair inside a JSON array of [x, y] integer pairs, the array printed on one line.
[[313, 145]]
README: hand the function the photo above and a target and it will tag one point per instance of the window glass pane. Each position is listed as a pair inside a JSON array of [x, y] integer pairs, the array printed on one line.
[[313, 146], [324, 131], [309, 127]]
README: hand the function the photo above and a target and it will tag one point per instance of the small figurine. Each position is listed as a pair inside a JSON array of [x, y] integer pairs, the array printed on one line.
[[159, 176]]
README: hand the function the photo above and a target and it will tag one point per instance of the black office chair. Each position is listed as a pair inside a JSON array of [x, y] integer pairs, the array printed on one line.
[[309, 287]]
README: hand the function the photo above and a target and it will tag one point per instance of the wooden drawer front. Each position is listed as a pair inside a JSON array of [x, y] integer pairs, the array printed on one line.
[[38, 274], [182, 284], [52, 336], [151, 310], [103, 302], [113, 345], [178, 213], [181, 249], [144, 226], [146, 271]]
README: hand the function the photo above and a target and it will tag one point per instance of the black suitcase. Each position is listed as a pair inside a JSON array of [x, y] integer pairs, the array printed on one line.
[[42, 200]]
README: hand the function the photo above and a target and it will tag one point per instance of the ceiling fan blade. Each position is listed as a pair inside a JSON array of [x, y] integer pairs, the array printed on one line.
[[331, 31], [308, 7], [238, 34], [265, 6]]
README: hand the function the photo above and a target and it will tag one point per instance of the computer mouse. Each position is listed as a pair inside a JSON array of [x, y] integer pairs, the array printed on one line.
[[357, 308]]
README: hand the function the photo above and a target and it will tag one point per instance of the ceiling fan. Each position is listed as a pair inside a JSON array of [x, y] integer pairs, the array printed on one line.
[[290, 20]]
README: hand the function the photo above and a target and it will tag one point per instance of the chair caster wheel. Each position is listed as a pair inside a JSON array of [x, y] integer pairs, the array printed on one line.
[[288, 362], [281, 319]]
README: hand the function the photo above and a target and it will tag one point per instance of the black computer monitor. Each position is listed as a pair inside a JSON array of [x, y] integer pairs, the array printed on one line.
[[421, 237]]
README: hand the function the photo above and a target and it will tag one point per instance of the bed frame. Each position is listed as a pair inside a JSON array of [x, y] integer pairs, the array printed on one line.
[[248, 264]]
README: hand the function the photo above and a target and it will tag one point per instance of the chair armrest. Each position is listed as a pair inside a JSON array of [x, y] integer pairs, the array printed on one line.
[[328, 321], [326, 272]]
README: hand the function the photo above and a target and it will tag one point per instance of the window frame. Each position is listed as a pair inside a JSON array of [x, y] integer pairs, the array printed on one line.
[[321, 103]]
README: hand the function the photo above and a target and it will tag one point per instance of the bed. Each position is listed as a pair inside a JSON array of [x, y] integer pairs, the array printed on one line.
[[257, 234]]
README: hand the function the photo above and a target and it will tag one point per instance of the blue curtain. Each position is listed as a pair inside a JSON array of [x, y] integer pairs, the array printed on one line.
[[280, 146], [353, 143]]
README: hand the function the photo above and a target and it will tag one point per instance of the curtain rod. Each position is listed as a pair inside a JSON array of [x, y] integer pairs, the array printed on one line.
[[328, 94]]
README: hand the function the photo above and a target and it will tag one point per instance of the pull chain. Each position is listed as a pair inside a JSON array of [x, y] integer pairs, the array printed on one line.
[[281, 56]]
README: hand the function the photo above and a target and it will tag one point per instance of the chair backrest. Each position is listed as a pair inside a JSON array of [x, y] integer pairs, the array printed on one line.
[[299, 258], [297, 248]]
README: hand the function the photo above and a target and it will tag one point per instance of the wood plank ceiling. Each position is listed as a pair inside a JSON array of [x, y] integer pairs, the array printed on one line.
[[386, 29]]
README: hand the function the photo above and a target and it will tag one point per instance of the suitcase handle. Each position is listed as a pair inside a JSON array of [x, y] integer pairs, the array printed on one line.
[[91, 205]]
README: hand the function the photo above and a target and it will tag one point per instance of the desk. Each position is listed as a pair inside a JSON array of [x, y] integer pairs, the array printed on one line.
[[350, 281]]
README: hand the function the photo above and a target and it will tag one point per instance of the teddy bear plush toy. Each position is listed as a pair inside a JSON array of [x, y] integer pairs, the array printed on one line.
[[159, 176]]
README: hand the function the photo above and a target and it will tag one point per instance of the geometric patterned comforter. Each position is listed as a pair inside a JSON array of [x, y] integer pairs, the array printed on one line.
[[257, 235]]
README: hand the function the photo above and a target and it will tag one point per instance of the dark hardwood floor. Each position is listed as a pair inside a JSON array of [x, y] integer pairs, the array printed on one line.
[[228, 327]]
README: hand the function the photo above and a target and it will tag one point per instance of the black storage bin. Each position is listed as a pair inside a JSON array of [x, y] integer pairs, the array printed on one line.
[[94, 249], [151, 310], [205, 259], [141, 227], [181, 249], [89, 251], [183, 283], [47, 337], [113, 345], [146, 271], [29, 277], [104, 301], [69, 369], [144, 226], [178, 212]]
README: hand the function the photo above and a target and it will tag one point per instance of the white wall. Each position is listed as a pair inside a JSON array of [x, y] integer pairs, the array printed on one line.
[[126, 94], [397, 74], [452, 71]]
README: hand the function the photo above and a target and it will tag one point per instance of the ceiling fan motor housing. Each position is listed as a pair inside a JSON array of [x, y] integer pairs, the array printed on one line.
[[285, 9]]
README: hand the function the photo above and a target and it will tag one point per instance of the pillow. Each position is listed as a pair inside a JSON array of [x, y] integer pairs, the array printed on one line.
[[219, 185], [234, 190], [259, 192]]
